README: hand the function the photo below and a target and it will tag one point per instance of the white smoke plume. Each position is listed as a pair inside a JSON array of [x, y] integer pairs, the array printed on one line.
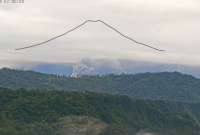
[[94, 67], [82, 69]]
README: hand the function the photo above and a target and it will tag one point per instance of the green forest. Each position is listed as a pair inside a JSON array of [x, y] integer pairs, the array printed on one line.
[[157, 86], [33, 103], [40, 112]]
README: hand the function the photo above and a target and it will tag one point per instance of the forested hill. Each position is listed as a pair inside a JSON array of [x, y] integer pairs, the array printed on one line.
[[62, 113], [166, 86]]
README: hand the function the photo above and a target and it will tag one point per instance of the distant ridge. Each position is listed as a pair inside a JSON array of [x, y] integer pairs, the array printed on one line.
[[157, 86], [82, 24]]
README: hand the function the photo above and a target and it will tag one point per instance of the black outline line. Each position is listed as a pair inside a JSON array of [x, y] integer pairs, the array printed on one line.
[[93, 21]]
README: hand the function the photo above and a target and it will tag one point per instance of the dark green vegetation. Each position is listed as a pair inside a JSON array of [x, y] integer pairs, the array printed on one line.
[[159, 86], [43, 112]]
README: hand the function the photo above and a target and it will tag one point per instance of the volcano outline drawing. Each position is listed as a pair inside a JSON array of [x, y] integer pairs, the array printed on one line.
[[92, 21]]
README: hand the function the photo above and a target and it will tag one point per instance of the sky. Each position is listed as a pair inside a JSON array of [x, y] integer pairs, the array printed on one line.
[[172, 25]]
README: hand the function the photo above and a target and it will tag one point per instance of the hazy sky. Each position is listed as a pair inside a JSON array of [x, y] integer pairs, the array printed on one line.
[[172, 25]]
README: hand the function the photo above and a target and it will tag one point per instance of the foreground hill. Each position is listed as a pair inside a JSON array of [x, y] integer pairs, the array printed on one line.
[[60, 113], [160, 86]]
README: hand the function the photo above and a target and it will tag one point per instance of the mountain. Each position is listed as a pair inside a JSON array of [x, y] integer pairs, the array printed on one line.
[[57, 69], [158, 86], [105, 66], [42, 112]]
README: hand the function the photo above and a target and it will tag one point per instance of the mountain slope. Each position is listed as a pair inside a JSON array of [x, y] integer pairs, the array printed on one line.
[[49, 112], [160, 86]]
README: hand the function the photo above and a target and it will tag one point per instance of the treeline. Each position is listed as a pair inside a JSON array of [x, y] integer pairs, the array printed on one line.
[[157, 86], [39, 112]]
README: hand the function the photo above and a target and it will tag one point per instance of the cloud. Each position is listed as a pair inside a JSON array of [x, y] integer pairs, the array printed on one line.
[[105, 66], [172, 25]]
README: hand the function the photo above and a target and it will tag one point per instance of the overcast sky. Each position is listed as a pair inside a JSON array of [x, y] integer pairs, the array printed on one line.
[[172, 25]]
